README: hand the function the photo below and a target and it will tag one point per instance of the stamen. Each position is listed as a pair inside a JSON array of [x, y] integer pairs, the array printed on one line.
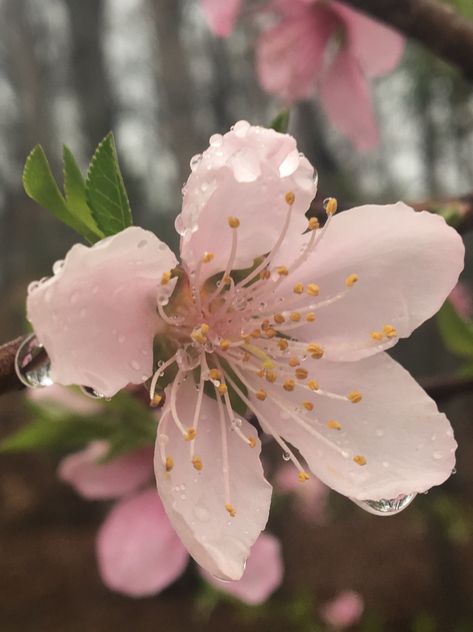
[[190, 434], [282, 270], [355, 397], [166, 277], [313, 223], [308, 405], [359, 459], [187, 433], [197, 463], [376, 335], [330, 206], [234, 223], [351, 280], [261, 394], [298, 288], [231, 509], [288, 385], [214, 374], [207, 257], [295, 317], [390, 331], [313, 289], [200, 394], [225, 462], [315, 350], [158, 374], [310, 317], [334, 425], [222, 389], [303, 477], [301, 374], [169, 464]]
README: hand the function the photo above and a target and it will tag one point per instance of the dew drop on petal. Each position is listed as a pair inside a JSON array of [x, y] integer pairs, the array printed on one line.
[[386, 507], [437, 455], [58, 266], [286, 456], [194, 162], [91, 392]]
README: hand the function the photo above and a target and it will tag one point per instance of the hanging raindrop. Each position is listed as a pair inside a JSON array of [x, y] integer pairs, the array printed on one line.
[[385, 506], [32, 363], [91, 392]]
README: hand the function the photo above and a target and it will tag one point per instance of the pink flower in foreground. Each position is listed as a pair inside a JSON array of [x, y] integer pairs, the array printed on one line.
[[295, 337], [329, 47], [343, 611], [138, 552]]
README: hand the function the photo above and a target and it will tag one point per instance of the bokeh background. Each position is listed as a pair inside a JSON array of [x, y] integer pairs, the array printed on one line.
[[150, 70]]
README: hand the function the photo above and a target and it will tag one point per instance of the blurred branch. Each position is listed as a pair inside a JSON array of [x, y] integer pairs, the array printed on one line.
[[445, 387], [8, 379], [435, 25]]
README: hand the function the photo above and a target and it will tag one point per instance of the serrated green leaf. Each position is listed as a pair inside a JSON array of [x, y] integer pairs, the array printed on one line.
[[106, 194], [40, 186], [76, 194], [456, 333], [280, 123]]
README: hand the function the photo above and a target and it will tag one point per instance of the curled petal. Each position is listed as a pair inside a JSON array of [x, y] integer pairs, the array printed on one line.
[[221, 16], [345, 95], [406, 263], [138, 552], [96, 480], [394, 441], [195, 499], [244, 174], [263, 573], [97, 315], [377, 47]]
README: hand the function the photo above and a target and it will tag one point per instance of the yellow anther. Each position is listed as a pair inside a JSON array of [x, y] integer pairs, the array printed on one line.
[[252, 442], [231, 510], [271, 376], [310, 317], [313, 223], [199, 337], [351, 280], [225, 344], [283, 344], [290, 198], [376, 335], [256, 333], [156, 401], [260, 372], [313, 385], [313, 289], [334, 425], [222, 389], [315, 350], [190, 434], [303, 476], [282, 270], [261, 394], [197, 463], [165, 278], [270, 332], [295, 317], [265, 324], [268, 364], [233, 222], [288, 384], [204, 328], [279, 319], [390, 331], [308, 405], [359, 459], [293, 362], [226, 279], [298, 288], [214, 374], [301, 373], [355, 397], [265, 274], [207, 257], [169, 464], [330, 206]]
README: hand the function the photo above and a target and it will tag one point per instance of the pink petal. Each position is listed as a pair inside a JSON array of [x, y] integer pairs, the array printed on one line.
[[101, 481], [377, 47], [263, 573], [344, 611], [245, 173], [344, 93], [97, 315], [407, 263], [195, 500], [290, 55], [138, 552], [56, 396], [407, 443], [221, 15]]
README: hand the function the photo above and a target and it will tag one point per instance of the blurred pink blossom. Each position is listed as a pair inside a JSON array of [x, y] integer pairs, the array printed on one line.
[[221, 15], [310, 498], [344, 611], [462, 300]]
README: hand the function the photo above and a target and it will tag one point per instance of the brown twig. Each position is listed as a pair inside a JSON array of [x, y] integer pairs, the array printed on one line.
[[8, 378], [435, 25]]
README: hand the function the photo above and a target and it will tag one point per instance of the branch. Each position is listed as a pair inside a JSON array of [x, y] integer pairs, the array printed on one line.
[[437, 26], [8, 378]]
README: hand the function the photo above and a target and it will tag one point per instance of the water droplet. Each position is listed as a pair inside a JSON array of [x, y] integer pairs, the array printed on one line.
[[241, 128], [91, 392], [142, 243], [437, 455], [201, 513], [386, 507], [195, 161], [236, 423], [135, 365], [32, 363], [286, 456], [216, 140], [58, 266]]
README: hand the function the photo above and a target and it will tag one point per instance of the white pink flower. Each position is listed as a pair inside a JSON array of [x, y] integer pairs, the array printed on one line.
[[269, 315]]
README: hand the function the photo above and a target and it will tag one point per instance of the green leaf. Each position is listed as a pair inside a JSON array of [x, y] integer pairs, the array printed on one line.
[[40, 186], [280, 123], [76, 194], [456, 333], [106, 192]]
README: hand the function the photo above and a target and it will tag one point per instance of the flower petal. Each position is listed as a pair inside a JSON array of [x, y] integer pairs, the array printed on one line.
[[97, 315], [345, 95], [263, 573], [101, 481], [138, 552], [407, 443], [377, 47], [246, 174], [407, 263], [221, 16], [290, 55], [195, 500]]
